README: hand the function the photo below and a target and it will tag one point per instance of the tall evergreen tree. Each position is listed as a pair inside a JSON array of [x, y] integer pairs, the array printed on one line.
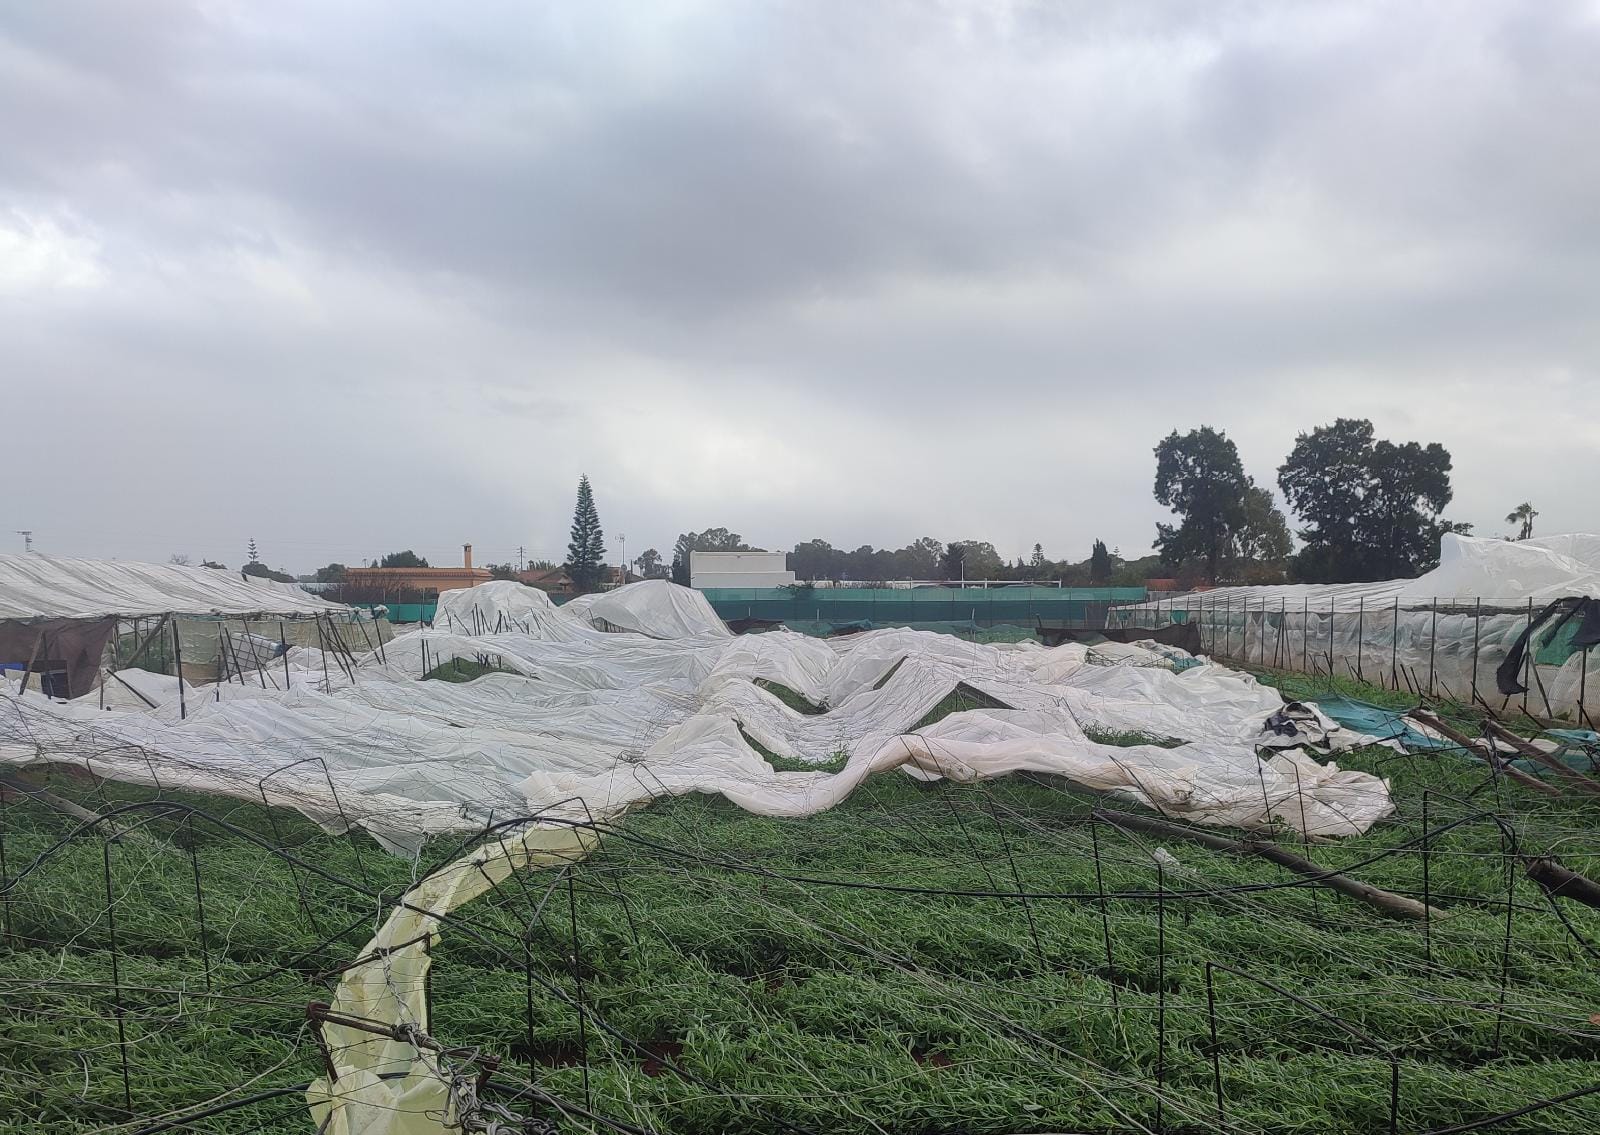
[[1099, 564], [587, 548]]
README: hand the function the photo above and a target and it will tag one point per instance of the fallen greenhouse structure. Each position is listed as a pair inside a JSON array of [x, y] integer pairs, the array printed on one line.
[[630, 861]]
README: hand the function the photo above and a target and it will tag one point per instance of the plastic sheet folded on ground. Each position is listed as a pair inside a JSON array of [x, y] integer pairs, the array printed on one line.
[[579, 710]]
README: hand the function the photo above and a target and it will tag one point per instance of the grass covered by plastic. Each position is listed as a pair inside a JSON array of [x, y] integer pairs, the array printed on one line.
[[868, 969]]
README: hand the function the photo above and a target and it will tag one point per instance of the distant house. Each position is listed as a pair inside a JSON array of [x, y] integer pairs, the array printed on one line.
[[554, 580], [410, 579]]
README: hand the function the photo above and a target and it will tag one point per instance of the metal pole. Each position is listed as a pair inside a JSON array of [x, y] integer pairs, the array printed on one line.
[[116, 979], [1361, 627], [177, 654], [1331, 601], [1305, 631], [1477, 619], [1433, 641], [1394, 646], [1527, 658], [1583, 686]]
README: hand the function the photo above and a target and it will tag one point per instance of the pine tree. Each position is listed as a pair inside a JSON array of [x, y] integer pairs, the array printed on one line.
[[1099, 564], [588, 546], [1038, 563], [253, 557]]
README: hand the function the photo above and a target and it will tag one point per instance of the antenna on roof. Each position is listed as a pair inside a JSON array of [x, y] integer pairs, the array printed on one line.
[[27, 539]]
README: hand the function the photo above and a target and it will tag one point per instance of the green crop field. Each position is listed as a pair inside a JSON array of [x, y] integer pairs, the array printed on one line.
[[926, 958]]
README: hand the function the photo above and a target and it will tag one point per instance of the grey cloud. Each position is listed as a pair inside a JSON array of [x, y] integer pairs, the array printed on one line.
[[469, 241]]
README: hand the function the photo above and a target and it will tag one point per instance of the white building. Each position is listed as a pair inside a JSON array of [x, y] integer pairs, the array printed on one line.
[[739, 569]]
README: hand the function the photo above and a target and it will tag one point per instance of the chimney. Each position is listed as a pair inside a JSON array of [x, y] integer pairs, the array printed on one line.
[[466, 556]]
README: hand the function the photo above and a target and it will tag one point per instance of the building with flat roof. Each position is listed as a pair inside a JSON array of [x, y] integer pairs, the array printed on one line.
[[739, 569]]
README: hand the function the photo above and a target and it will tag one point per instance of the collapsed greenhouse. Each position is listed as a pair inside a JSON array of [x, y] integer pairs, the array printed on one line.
[[729, 826]]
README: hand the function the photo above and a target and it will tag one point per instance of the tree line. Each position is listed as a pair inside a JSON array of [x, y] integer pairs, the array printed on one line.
[[926, 558], [1369, 509]]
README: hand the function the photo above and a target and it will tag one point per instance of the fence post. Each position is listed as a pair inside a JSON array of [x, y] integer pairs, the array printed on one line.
[[1527, 659], [1361, 627], [1433, 641], [1394, 646], [1583, 687], [1332, 603], [116, 977], [1477, 619], [177, 654]]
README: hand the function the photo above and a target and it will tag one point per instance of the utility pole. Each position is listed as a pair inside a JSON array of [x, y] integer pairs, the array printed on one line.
[[622, 554], [27, 539], [519, 557]]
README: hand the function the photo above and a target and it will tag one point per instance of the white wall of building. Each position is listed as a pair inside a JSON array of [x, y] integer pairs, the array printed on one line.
[[739, 569]]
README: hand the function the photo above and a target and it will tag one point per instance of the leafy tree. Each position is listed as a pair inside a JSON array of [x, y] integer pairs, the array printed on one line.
[[1262, 547], [179, 559], [405, 559], [815, 559], [1410, 487], [721, 540], [1099, 564], [1523, 515], [1370, 508], [587, 547], [1199, 477], [649, 564], [971, 559], [919, 559], [501, 571], [333, 573], [711, 540]]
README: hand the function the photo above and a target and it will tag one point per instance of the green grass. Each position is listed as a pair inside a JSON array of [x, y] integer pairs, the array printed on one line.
[[1129, 737], [464, 670], [797, 702], [834, 1008], [959, 700], [834, 762]]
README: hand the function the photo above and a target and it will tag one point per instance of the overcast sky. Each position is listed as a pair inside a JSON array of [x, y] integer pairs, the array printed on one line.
[[349, 278]]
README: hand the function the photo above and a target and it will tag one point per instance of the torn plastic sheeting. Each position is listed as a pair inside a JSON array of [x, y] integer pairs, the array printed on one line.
[[379, 1085]]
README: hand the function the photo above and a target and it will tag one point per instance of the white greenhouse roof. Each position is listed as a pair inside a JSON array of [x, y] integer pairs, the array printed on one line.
[[35, 586]]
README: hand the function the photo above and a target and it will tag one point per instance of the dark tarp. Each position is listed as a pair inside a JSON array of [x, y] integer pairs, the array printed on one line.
[[74, 646]]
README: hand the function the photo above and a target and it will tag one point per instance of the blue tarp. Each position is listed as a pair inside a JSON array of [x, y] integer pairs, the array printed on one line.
[[1580, 748]]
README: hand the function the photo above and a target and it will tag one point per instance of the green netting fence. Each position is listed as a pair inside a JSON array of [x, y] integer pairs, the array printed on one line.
[[890, 606]]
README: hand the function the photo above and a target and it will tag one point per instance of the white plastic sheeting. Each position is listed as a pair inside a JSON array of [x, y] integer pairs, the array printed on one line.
[[590, 722], [35, 586], [609, 719], [1444, 632]]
